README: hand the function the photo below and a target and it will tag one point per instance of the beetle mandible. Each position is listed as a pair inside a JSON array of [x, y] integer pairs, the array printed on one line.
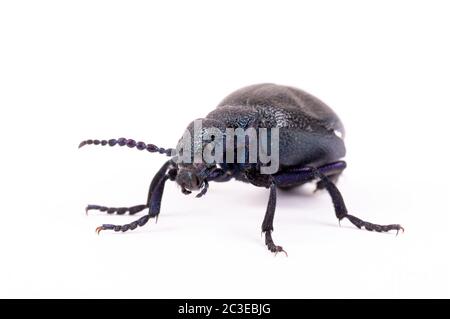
[[310, 145]]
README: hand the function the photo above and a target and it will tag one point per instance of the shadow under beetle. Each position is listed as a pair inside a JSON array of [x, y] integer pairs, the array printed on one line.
[[310, 148]]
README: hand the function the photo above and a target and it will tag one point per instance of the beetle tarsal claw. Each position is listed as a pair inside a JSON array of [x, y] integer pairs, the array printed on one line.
[[282, 251], [99, 229], [278, 249]]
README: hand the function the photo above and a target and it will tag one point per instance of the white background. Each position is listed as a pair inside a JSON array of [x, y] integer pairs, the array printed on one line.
[[143, 70]]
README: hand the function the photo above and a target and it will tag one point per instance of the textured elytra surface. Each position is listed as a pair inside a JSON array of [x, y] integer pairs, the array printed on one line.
[[283, 106], [307, 125]]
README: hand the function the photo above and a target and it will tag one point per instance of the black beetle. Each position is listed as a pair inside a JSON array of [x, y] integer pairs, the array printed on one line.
[[310, 141]]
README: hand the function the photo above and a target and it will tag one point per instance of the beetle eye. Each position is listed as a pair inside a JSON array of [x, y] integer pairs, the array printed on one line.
[[338, 133]]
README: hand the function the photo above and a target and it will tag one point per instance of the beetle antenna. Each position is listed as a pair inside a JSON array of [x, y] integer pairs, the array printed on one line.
[[130, 143]]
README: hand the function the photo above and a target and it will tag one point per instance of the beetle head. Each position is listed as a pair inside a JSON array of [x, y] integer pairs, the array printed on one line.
[[192, 166], [191, 177]]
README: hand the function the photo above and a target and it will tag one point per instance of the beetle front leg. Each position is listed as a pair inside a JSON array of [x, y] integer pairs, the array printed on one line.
[[118, 210], [154, 206], [267, 225], [341, 209], [138, 208]]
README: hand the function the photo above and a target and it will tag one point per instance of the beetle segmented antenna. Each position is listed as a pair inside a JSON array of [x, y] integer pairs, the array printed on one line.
[[131, 144]]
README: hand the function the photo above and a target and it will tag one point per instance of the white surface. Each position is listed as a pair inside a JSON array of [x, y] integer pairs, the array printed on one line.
[[91, 69]]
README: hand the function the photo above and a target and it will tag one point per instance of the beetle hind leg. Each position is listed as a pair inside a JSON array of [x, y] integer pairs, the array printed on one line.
[[341, 209], [326, 174], [373, 227], [321, 185]]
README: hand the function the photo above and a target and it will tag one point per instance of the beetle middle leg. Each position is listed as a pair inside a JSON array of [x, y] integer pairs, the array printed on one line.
[[267, 225]]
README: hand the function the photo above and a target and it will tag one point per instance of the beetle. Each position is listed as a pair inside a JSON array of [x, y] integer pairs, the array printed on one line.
[[310, 144]]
